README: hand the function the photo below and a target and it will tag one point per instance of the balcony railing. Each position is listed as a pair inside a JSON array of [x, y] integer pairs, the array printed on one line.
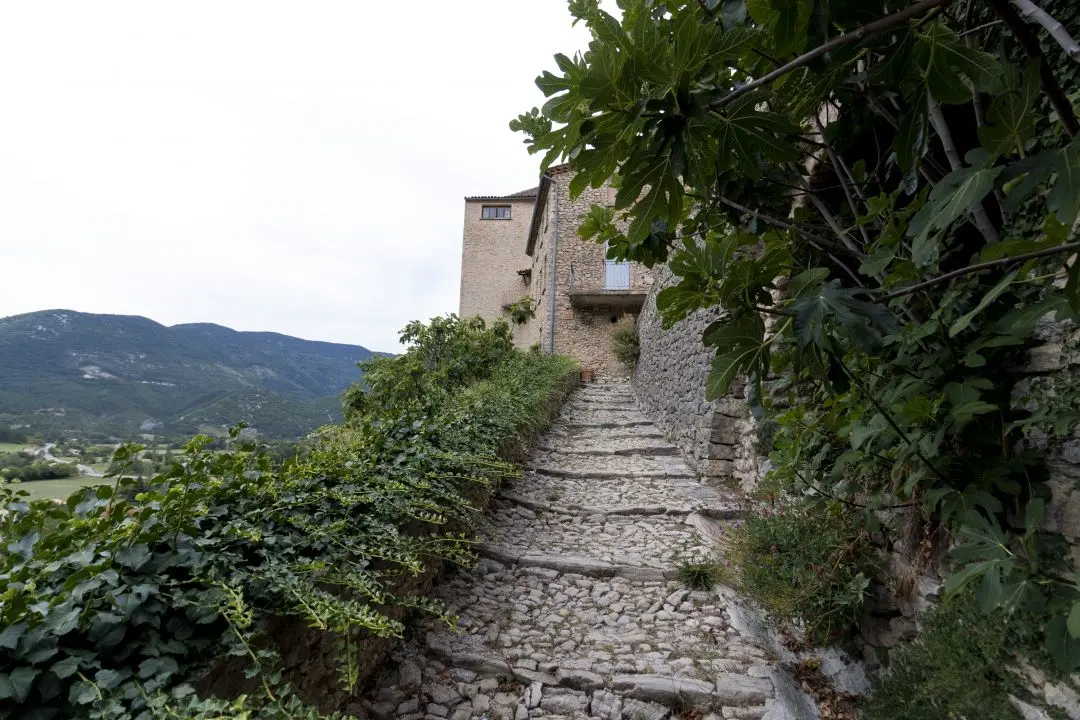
[[611, 285]]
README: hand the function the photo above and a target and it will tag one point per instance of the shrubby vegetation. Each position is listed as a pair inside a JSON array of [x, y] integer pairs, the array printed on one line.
[[16, 466], [118, 603], [912, 171], [809, 565], [625, 344]]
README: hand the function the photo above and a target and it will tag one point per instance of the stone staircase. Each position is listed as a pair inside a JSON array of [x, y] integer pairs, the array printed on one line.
[[573, 610]]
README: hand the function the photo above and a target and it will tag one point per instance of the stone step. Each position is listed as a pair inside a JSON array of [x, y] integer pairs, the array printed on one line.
[[597, 470], [574, 564], [717, 512], [658, 542], [576, 646], [575, 425], [609, 449], [615, 491]]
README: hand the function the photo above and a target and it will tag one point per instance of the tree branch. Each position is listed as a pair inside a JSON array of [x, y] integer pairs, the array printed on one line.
[[860, 33], [840, 176], [1031, 11], [977, 267], [1030, 43], [941, 127], [822, 243]]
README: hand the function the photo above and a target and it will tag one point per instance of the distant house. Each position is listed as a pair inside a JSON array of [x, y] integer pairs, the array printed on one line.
[[526, 245]]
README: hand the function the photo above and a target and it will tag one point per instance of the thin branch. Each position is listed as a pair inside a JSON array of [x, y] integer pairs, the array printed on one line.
[[984, 26], [823, 243], [860, 33], [977, 267], [978, 213], [1031, 11], [1030, 43], [840, 176]]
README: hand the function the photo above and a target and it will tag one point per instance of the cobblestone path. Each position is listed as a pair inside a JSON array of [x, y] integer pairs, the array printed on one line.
[[573, 610]]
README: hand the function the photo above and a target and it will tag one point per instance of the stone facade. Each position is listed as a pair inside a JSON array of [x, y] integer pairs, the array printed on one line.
[[717, 436], [546, 243], [492, 254], [582, 332]]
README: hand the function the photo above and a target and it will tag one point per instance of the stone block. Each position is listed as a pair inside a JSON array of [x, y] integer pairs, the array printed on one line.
[[741, 690]]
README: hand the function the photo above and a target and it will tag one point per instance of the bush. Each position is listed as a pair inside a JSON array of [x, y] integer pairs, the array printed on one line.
[[810, 565], [625, 343], [116, 603], [958, 667]]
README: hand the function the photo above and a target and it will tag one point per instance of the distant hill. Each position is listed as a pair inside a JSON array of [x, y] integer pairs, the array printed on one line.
[[71, 373]]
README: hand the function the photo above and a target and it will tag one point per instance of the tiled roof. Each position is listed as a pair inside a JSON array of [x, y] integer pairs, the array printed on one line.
[[529, 194]]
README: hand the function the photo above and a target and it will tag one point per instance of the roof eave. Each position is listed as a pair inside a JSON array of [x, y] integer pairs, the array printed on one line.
[[538, 212]]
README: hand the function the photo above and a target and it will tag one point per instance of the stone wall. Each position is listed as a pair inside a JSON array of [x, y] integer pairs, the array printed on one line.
[[492, 253], [584, 334], [717, 436]]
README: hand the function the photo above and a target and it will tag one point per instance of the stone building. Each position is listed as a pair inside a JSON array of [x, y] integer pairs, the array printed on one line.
[[577, 294], [494, 267]]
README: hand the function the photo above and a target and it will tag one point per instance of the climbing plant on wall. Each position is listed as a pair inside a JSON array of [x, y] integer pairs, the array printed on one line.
[[912, 171]]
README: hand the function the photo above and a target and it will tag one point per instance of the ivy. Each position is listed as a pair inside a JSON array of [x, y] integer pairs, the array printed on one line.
[[119, 602], [883, 201]]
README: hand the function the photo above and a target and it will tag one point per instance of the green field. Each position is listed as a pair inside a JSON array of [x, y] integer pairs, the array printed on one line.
[[6, 448], [62, 488]]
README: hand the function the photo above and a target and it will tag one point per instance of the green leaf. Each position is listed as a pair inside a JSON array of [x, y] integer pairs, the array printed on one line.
[[9, 637], [1064, 198], [1010, 122], [966, 412], [954, 197], [877, 262], [913, 135], [676, 302], [1061, 645], [1072, 286], [993, 294], [82, 693], [134, 557], [107, 679], [807, 281], [1073, 622], [18, 683], [741, 348], [742, 132], [950, 68], [65, 668]]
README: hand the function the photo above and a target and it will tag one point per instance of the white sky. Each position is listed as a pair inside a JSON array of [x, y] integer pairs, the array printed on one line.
[[289, 166]]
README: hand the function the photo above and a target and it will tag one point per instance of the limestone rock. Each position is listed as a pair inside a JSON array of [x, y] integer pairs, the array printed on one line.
[[641, 710], [606, 706], [563, 702], [741, 690], [578, 679], [671, 691]]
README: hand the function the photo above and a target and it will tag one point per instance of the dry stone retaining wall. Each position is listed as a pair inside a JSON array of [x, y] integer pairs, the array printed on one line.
[[717, 436]]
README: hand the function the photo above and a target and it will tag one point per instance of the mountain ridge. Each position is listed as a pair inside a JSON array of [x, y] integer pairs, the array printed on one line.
[[64, 371]]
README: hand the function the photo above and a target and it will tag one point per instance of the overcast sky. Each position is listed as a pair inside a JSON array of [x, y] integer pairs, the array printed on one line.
[[287, 166]]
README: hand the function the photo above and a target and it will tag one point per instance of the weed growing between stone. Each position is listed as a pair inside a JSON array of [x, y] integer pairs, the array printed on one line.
[[808, 565], [700, 574]]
